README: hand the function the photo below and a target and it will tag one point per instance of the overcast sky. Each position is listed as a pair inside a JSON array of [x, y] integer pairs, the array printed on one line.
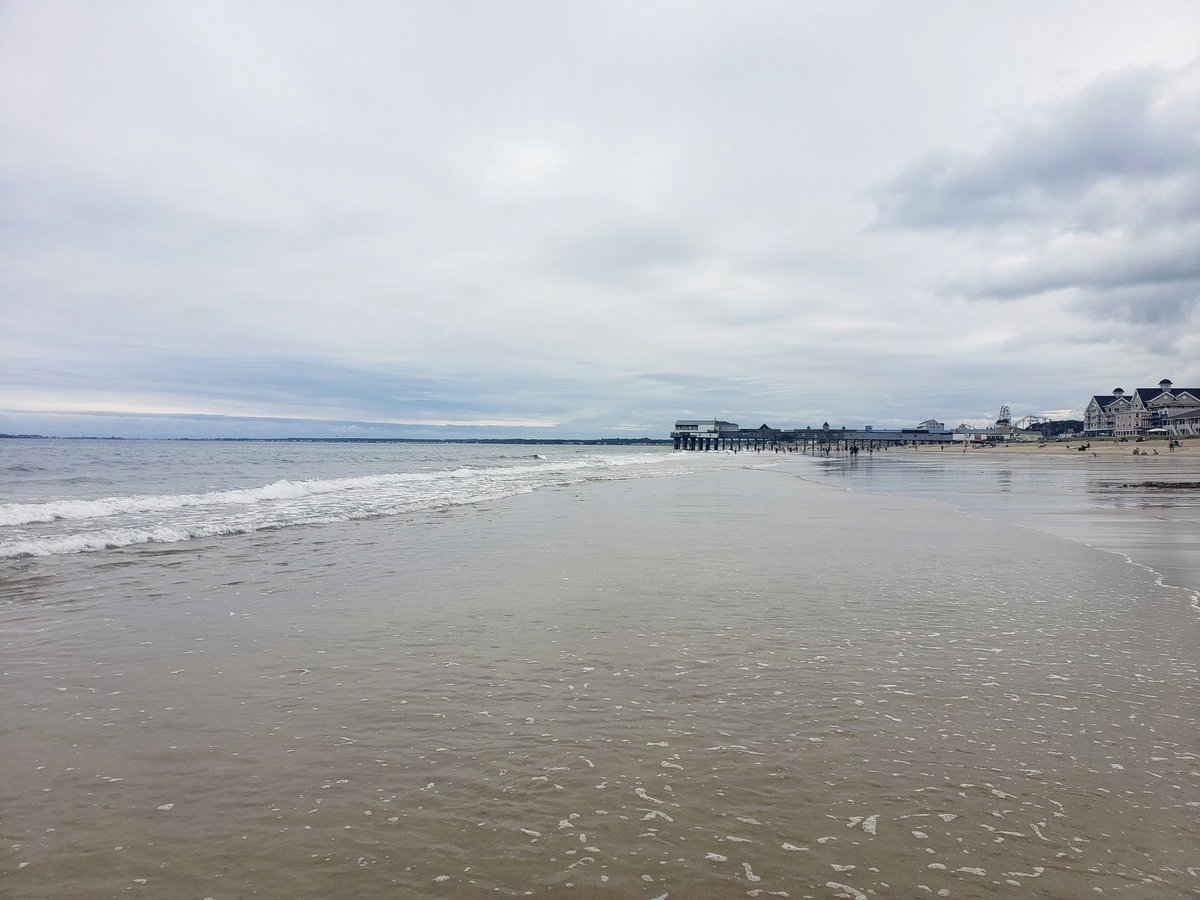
[[589, 219]]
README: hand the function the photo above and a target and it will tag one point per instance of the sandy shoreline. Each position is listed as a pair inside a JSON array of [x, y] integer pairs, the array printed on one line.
[[1188, 448]]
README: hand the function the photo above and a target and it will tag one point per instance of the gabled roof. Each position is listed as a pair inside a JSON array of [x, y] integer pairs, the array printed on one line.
[[1146, 396]]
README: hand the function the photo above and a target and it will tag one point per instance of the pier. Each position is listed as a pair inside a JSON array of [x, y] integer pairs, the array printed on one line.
[[714, 434]]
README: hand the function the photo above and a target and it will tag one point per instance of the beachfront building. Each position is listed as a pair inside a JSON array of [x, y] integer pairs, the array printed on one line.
[[1183, 421], [1099, 418], [1165, 409], [971, 434]]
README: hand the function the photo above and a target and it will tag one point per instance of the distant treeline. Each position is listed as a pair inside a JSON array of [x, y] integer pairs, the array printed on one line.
[[1064, 426], [46, 437]]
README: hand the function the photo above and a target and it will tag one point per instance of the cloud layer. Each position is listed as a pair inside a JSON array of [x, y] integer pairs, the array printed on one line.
[[582, 221], [1094, 197]]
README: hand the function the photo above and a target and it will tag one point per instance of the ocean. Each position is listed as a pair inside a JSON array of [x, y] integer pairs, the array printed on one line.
[[311, 670]]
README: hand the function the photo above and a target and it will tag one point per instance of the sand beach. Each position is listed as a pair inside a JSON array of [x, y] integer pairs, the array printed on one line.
[[1188, 448]]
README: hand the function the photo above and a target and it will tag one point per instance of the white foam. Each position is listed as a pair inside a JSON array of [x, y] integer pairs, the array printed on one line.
[[170, 518], [847, 891]]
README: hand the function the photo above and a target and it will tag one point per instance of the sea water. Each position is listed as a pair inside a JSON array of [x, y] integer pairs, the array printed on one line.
[[623, 673], [72, 496]]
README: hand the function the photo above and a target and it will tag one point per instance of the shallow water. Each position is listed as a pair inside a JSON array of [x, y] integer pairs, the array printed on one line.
[[734, 682], [1104, 502]]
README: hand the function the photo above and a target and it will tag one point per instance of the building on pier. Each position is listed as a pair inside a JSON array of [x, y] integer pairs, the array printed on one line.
[[704, 434]]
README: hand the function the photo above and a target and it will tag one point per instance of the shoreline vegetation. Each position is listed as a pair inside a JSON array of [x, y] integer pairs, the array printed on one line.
[[1163, 485]]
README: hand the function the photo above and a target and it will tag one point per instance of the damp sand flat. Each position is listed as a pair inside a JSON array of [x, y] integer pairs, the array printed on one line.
[[705, 686], [1145, 507]]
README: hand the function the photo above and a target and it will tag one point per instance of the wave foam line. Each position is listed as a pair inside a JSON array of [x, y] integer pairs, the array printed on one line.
[[59, 510], [116, 538], [249, 510]]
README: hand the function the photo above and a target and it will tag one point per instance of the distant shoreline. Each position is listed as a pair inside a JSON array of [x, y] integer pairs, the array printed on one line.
[[587, 442], [1101, 446]]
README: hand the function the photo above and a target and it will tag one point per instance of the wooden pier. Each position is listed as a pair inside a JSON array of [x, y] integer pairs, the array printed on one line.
[[714, 434]]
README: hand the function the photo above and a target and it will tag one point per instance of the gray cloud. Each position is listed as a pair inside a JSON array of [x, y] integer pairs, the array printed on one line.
[[1085, 163], [1092, 203], [1160, 320], [621, 253], [1153, 260], [1149, 309]]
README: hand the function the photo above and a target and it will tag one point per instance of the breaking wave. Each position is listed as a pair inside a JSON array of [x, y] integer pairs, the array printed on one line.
[[75, 526]]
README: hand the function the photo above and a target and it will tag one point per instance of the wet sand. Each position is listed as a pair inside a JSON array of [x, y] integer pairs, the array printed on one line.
[[1145, 508], [1187, 448], [740, 683]]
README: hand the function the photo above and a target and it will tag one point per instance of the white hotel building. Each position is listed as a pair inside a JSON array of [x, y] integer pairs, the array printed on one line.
[[1165, 409]]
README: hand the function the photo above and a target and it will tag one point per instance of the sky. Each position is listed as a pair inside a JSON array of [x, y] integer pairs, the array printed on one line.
[[580, 219]]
